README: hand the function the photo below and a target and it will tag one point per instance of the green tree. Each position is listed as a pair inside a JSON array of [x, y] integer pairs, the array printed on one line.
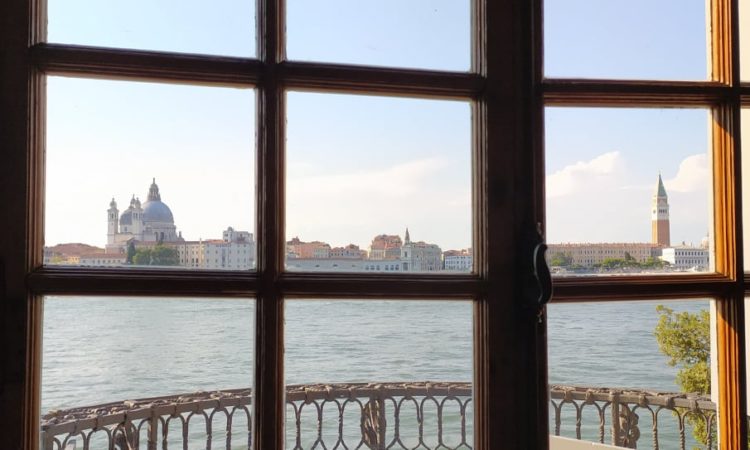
[[165, 256], [142, 257], [130, 253], [560, 259], [159, 255], [685, 338]]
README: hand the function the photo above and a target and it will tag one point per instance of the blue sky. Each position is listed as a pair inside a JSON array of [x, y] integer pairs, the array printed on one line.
[[357, 165]]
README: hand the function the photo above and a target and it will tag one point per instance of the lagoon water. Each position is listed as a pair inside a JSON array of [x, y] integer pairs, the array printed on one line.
[[98, 349]]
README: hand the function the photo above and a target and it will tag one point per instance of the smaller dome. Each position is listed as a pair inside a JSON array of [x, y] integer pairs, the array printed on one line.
[[126, 218], [113, 203]]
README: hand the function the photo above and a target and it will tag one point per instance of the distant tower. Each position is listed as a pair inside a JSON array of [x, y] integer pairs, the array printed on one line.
[[112, 218], [137, 229], [660, 216], [407, 240]]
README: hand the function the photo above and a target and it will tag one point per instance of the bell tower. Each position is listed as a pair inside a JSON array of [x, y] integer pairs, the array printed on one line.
[[660, 216], [112, 220]]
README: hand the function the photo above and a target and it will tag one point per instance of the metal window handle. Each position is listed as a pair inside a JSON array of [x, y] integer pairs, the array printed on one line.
[[538, 289]]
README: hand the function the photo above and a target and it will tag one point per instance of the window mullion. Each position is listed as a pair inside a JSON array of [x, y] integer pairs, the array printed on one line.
[[268, 428]]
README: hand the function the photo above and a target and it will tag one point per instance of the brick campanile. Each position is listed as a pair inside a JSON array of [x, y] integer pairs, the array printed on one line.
[[660, 216]]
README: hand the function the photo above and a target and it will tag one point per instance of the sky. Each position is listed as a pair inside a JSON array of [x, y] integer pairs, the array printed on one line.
[[357, 165]]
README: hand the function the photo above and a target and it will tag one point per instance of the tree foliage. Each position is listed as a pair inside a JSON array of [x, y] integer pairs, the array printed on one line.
[[159, 255], [560, 259], [685, 338]]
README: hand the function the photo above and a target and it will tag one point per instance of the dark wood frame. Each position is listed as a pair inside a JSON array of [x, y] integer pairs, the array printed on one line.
[[508, 94]]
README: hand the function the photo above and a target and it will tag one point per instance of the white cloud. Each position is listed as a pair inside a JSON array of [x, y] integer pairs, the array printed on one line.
[[581, 175], [693, 175]]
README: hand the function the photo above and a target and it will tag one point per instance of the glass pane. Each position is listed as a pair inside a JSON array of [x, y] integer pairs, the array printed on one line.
[[378, 184], [221, 27], [425, 34], [640, 39], [384, 368], [658, 361], [628, 191], [106, 356], [154, 175]]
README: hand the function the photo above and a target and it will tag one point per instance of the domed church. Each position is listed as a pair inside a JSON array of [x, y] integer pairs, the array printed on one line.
[[150, 222]]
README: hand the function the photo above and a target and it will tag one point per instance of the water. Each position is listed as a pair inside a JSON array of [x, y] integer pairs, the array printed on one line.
[[97, 350]]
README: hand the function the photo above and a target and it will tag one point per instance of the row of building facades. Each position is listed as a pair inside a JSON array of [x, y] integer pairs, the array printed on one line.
[[148, 225], [151, 224]]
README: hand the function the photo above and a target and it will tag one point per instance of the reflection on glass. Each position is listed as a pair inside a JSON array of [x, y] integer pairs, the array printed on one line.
[[104, 354], [149, 175], [221, 27], [378, 184], [662, 348], [628, 191], [380, 366], [621, 39], [421, 34]]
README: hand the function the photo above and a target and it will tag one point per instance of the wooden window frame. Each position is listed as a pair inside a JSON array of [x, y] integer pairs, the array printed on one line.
[[508, 94]]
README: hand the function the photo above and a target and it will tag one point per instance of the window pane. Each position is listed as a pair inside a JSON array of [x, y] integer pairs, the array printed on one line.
[[221, 27], [101, 355], [425, 34], [378, 184], [659, 355], [142, 174], [640, 39], [628, 191], [385, 366]]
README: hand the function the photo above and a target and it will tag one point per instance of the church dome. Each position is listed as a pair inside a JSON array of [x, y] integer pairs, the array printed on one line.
[[154, 210], [157, 211], [126, 218]]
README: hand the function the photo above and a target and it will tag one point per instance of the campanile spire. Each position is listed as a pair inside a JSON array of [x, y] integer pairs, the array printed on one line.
[[660, 215]]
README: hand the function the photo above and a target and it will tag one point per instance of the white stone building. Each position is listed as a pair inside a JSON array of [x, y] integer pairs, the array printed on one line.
[[458, 260], [235, 251], [686, 258], [420, 256]]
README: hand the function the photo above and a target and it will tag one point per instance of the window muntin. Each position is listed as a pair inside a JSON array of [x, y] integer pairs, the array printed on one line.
[[139, 176], [389, 192], [625, 40], [225, 27], [631, 194], [424, 34]]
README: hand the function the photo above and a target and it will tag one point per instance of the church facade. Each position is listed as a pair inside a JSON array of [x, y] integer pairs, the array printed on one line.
[[151, 222]]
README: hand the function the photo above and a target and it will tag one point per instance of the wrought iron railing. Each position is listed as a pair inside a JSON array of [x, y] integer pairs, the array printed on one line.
[[363, 415], [626, 413]]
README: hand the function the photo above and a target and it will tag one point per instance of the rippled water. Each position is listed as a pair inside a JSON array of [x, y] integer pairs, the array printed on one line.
[[98, 350]]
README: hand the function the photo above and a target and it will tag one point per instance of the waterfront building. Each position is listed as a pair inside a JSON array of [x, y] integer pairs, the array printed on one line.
[[660, 216], [325, 264], [296, 248], [590, 254], [350, 251], [235, 251], [101, 260], [458, 260], [686, 257], [386, 246], [151, 222], [420, 256]]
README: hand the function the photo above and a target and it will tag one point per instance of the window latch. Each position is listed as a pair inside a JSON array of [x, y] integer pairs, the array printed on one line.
[[538, 287]]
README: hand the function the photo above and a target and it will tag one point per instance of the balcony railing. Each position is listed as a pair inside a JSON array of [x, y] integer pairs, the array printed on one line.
[[421, 415]]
